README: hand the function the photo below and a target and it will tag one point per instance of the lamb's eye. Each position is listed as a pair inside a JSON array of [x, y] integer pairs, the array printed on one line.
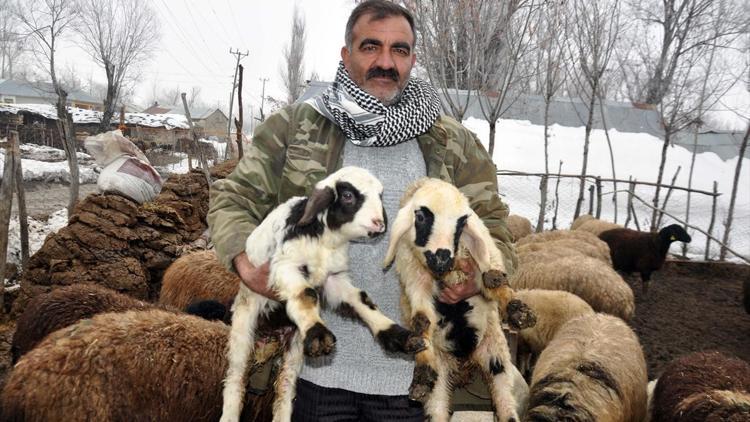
[[347, 197], [419, 216]]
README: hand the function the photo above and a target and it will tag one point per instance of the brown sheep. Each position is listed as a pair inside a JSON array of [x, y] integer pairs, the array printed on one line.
[[198, 276], [588, 278], [518, 226], [593, 370], [703, 387], [67, 305], [148, 365]]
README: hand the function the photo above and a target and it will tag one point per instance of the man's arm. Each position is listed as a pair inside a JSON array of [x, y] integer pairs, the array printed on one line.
[[239, 203]]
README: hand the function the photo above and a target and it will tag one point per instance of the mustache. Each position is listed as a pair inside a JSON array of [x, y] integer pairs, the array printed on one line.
[[377, 72]]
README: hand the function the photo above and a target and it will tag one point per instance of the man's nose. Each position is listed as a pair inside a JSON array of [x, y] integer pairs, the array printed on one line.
[[385, 59]]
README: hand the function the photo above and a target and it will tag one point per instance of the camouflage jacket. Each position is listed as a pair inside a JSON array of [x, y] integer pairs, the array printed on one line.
[[296, 147]]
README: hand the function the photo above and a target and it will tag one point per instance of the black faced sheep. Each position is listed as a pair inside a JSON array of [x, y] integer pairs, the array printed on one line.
[[592, 370], [634, 251], [67, 305], [434, 228], [703, 387], [306, 241], [147, 365]]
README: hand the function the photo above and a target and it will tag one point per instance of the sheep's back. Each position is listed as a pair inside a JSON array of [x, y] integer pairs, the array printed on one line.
[[64, 306], [561, 247], [198, 276], [137, 365], [593, 369], [632, 250], [518, 226], [703, 386], [591, 280], [596, 227]]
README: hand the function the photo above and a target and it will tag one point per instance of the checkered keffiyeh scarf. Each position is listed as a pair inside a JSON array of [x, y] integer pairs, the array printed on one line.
[[367, 122]]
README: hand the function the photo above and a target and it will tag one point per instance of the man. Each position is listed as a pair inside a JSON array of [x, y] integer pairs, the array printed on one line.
[[373, 116]]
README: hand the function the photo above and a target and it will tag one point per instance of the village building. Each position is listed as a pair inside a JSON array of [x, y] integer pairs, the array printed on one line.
[[18, 92], [209, 121]]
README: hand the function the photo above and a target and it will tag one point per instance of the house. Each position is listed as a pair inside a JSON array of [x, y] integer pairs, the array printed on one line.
[[208, 121], [18, 92]]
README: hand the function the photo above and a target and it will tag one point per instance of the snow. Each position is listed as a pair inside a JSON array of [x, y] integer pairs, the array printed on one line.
[[47, 164], [38, 232], [84, 116], [519, 146]]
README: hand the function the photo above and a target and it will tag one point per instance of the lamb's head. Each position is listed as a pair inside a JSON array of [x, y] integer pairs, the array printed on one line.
[[350, 201], [434, 217]]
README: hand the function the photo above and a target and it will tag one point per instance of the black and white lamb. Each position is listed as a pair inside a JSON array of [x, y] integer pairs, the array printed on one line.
[[643, 252], [435, 227], [306, 241]]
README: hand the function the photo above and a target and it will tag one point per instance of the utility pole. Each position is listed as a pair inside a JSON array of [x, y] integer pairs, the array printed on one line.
[[234, 85], [262, 99]]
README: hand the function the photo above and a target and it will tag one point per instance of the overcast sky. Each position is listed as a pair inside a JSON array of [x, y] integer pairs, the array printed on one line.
[[197, 36]]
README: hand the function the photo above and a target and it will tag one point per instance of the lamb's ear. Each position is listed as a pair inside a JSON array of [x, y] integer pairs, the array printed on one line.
[[319, 200], [475, 236], [404, 221]]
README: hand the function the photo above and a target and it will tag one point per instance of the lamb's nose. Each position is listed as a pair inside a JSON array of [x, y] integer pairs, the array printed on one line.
[[378, 224]]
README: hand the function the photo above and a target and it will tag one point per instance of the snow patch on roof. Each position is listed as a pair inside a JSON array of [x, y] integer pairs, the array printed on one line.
[[83, 116]]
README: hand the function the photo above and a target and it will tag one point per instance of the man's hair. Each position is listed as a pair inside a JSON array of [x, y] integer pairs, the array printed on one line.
[[378, 10]]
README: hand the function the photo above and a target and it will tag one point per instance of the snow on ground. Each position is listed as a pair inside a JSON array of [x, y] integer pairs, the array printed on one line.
[[519, 146], [47, 164], [38, 231]]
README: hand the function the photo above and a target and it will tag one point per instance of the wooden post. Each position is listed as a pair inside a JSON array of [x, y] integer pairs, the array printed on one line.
[[591, 200], [557, 196], [599, 196], [713, 219], [238, 124], [23, 220], [666, 198], [732, 199], [6, 204], [542, 203], [629, 204], [195, 140]]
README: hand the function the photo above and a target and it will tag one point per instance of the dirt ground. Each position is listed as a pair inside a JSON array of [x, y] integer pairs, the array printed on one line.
[[42, 199]]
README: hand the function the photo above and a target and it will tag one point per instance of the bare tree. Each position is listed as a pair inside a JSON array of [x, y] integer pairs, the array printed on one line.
[[47, 22], [195, 93], [294, 55], [594, 33], [11, 40], [549, 76], [118, 35], [502, 32], [447, 49], [735, 184]]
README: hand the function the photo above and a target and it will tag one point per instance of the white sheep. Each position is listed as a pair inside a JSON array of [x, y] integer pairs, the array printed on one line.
[[433, 228], [593, 370], [593, 225], [588, 278], [306, 241], [600, 252]]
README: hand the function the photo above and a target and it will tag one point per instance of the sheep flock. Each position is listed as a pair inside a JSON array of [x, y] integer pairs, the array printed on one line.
[[84, 352]]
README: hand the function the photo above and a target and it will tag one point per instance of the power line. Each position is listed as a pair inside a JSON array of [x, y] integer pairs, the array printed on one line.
[[200, 34], [236, 27], [181, 35]]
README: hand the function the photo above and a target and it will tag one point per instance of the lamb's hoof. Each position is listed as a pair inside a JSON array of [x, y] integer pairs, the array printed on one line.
[[520, 316], [423, 383], [319, 340], [398, 339], [494, 278]]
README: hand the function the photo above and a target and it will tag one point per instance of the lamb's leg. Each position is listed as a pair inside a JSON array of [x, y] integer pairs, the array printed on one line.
[[351, 301], [423, 322], [493, 357], [303, 308], [437, 405], [286, 381], [247, 306]]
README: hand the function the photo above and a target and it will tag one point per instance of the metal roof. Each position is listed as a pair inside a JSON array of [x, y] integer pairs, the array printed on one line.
[[42, 90]]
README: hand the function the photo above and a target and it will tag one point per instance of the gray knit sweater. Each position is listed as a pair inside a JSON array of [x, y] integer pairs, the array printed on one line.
[[359, 363]]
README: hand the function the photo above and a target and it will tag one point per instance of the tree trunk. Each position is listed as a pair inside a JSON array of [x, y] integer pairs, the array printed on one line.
[[493, 126], [65, 127], [6, 204], [23, 221], [109, 103], [611, 157], [667, 139], [542, 203], [557, 196], [730, 211], [589, 126], [240, 152], [690, 186]]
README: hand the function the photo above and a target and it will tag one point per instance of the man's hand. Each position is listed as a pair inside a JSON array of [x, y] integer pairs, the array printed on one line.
[[456, 293], [256, 279]]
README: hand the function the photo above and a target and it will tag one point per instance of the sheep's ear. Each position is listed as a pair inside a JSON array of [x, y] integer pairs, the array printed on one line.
[[404, 221], [475, 236], [319, 200]]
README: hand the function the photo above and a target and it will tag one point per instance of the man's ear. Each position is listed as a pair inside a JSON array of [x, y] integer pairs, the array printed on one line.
[[345, 54], [319, 200]]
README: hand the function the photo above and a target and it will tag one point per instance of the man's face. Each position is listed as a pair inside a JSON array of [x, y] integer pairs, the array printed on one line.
[[382, 56]]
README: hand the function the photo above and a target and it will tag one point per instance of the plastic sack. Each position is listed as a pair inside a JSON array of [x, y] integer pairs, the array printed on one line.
[[108, 146], [130, 177]]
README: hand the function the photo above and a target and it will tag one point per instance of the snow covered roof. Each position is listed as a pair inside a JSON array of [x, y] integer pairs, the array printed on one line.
[[40, 90], [83, 116], [196, 113]]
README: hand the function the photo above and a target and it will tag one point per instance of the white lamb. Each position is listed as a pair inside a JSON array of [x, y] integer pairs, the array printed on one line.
[[433, 229], [306, 241]]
